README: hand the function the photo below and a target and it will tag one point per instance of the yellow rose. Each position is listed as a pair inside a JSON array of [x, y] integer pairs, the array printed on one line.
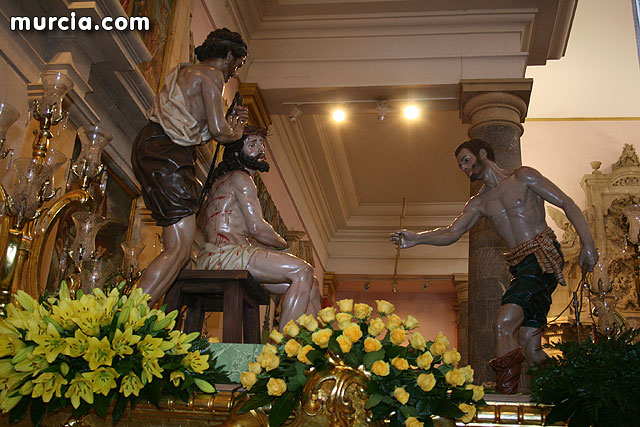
[[401, 395], [292, 347], [327, 315], [270, 362], [321, 337], [413, 422], [276, 386], [440, 338], [362, 310], [425, 360], [400, 363], [276, 336], [353, 332], [437, 348], [376, 326], [291, 329], [469, 412], [411, 323], [418, 342], [302, 354], [345, 343], [384, 307], [468, 373], [269, 349], [380, 368], [478, 391], [346, 305], [398, 336], [344, 320], [308, 322], [426, 382], [394, 321], [372, 344], [455, 377], [254, 367], [248, 379], [451, 357]]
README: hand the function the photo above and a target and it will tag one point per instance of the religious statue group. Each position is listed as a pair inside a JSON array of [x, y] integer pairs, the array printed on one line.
[[189, 111]]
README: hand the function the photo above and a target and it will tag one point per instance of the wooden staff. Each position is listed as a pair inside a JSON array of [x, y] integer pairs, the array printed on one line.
[[394, 284]]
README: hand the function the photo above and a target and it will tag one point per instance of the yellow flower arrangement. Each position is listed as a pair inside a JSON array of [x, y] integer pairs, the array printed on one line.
[[90, 350], [405, 370]]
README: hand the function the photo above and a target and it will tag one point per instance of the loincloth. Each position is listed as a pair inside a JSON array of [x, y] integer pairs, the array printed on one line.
[[226, 257], [532, 284], [167, 175], [546, 250]]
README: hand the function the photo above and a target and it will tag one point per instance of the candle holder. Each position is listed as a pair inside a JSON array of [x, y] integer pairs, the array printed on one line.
[[88, 167], [48, 110], [8, 116]]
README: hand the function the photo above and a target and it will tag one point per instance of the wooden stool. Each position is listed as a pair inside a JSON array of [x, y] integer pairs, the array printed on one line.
[[232, 292]]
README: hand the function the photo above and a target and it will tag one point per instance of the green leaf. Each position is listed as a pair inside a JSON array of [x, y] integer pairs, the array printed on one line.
[[369, 358], [81, 410], [373, 400], [301, 377], [101, 404], [119, 407], [19, 410], [282, 408], [255, 401], [38, 409], [352, 359]]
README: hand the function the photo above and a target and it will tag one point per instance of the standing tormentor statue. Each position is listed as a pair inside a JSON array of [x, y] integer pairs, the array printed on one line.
[[188, 111], [513, 200], [238, 237]]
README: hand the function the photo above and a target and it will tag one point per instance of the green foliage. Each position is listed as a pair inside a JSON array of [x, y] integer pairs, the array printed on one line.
[[592, 384]]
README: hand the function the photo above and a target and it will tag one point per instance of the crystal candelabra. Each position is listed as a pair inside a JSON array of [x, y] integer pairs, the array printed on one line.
[[632, 215], [26, 223]]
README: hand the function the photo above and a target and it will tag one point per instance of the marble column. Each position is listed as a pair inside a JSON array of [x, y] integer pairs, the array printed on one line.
[[496, 110], [461, 285]]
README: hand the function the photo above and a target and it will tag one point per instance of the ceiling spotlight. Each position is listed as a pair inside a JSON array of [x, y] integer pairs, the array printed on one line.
[[426, 285], [367, 286], [295, 113], [411, 112], [339, 115], [382, 111]]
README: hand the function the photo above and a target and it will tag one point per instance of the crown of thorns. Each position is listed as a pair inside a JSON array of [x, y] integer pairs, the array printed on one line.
[[255, 130]]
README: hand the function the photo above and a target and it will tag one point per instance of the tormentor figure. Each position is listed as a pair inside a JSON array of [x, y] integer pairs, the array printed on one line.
[[187, 112], [513, 200], [238, 237]]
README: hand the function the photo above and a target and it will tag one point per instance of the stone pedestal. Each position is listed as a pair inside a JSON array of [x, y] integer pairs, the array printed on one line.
[[495, 109]]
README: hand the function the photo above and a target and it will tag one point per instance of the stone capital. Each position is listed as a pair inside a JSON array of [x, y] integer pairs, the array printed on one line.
[[461, 285], [494, 102]]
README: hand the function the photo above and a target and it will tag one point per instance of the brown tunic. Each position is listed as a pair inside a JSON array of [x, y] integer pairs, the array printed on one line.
[[166, 172]]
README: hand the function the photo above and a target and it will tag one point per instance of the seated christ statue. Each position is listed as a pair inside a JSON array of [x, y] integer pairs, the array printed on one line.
[[238, 237]]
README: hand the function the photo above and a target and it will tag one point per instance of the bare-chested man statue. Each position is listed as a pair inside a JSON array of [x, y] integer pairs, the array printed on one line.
[[187, 112], [513, 200], [238, 237]]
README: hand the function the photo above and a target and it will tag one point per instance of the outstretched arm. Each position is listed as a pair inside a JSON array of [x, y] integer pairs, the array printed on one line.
[[247, 197], [441, 236], [222, 130], [548, 191]]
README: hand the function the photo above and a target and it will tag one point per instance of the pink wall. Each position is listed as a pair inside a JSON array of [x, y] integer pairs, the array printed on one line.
[[434, 311]]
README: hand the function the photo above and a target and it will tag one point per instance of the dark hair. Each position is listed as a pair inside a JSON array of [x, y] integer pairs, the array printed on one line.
[[475, 145], [231, 155], [219, 42]]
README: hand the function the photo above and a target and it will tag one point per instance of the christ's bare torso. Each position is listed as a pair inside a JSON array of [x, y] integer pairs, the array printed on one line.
[[225, 224], [515, 210]]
